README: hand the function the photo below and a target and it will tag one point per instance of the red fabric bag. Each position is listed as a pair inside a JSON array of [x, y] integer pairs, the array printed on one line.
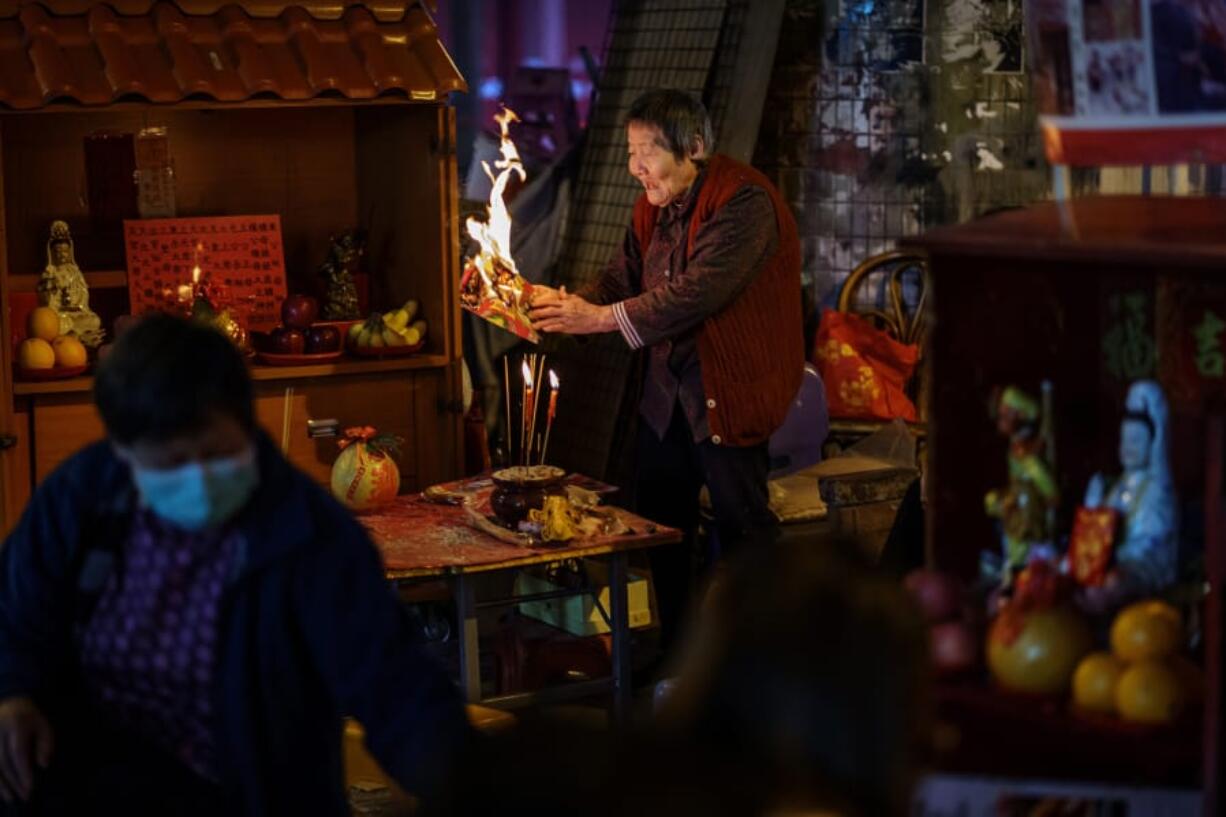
[[864, 369]]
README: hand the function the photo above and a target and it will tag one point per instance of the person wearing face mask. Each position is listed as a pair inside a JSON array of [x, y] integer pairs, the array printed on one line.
[[185, 618], [707, 282]]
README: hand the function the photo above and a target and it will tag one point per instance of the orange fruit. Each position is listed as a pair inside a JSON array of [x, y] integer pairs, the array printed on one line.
[[1149, 692], [43, 323], [1095, 681], [35, 353], [1147, 630], [68, 351]]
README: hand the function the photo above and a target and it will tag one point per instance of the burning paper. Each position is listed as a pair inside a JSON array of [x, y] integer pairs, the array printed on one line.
[[491, 286]]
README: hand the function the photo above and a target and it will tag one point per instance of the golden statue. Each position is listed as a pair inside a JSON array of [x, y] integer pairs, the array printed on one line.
[[62, 287]]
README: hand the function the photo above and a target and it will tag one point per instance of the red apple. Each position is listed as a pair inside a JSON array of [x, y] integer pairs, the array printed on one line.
[[938, 595], [286, 341], [299, 311], [954, 647], [322, 339]]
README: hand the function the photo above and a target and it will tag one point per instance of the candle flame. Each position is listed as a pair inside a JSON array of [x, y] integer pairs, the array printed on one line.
[[553, 380], [196, 263], [527, 372]]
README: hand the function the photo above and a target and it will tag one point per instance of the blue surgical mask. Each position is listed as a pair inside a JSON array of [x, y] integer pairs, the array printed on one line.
[[199, 495]]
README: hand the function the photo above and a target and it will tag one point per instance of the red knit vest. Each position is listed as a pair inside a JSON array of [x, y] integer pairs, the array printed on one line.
[[752, 351]]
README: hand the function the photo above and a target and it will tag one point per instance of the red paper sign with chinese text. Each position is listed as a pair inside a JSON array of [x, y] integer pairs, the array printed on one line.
[[240, 257], [1191, 340], [1091, 545]]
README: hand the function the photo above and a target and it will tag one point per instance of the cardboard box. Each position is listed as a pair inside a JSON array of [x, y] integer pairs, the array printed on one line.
[[578, 614]]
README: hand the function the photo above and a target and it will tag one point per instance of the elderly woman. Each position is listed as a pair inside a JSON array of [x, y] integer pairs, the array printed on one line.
[[707, 283], [185, 618]]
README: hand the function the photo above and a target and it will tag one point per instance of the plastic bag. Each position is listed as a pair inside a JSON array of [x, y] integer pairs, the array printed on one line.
[[864, 369]]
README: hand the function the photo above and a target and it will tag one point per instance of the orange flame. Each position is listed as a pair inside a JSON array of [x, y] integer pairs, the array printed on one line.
[[494, 235]]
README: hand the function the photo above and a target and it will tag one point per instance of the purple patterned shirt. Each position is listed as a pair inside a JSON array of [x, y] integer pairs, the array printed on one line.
[[149, 651]]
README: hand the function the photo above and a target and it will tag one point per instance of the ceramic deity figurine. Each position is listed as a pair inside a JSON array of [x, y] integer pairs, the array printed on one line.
[[62, 287], [1146, 540], [1026, 505], [341, 293]]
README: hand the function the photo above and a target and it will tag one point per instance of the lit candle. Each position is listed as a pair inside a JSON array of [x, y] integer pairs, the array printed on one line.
[[553, 409], [553, 397], [196, 266], [524, 440]]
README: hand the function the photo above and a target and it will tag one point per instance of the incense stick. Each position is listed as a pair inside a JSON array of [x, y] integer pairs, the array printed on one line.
[[539, 361], [287, 412], [506, 387]]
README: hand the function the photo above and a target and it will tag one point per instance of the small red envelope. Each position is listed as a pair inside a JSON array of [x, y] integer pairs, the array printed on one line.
[[1092, 544]]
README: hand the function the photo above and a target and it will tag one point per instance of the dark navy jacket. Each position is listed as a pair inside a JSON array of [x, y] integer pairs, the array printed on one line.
[[310, 632]]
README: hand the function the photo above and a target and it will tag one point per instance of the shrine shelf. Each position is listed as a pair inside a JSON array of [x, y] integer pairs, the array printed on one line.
[[334, 144], [1091, 295]]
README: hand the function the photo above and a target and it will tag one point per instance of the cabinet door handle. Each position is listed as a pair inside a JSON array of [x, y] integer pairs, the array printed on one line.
[[322, 428], [7, 441]]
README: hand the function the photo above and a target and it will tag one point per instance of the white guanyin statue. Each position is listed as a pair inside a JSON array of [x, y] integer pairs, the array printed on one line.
[[62, 287], [1146, 542]]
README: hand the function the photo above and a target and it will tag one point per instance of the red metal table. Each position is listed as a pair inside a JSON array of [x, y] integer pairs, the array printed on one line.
[[420, 539]]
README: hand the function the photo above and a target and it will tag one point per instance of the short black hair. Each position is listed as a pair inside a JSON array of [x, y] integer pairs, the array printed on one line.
[[166, 377], [681, 118]]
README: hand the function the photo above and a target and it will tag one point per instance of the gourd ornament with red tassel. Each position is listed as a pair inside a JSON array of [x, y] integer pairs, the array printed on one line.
[[365, 475]]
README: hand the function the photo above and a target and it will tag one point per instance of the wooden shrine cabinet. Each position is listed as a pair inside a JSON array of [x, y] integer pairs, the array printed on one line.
[[1091, 295], [332, 116]]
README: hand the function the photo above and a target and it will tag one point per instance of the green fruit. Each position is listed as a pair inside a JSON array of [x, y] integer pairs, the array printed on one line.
[[363, 336], [376, 340], [354, 331]]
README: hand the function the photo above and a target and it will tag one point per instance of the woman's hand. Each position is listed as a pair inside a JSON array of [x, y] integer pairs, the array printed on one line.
[[25, 738], [559, 311], [540, 293]]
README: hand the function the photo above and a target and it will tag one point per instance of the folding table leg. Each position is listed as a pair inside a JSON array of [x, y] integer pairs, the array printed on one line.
[[470, 656], [619, 605]]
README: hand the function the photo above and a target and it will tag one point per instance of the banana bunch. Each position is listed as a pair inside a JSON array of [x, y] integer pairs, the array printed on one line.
[[395, 328]]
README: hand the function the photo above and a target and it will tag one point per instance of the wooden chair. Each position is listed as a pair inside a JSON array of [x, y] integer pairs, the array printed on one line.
[[905, 320]]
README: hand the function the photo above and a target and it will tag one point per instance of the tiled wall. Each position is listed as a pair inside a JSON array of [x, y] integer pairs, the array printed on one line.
[[886, 117]]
